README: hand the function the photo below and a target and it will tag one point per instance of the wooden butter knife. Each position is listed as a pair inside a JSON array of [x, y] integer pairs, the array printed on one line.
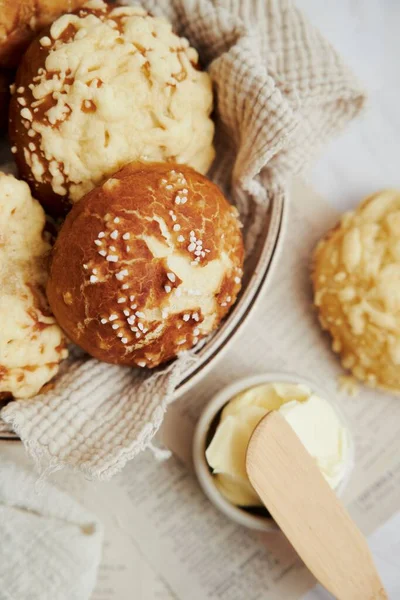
[[302, 503]]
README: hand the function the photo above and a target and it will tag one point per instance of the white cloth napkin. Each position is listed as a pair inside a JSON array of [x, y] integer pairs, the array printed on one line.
[[281, 93], [50, 546]]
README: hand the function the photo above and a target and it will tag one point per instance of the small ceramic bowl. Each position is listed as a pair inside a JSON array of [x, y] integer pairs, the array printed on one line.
[[253, 517]]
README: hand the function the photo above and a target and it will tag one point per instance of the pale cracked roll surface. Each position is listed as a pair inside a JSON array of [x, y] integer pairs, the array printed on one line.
[[31, 343], [146, 264], [103, 87], [357, 289]]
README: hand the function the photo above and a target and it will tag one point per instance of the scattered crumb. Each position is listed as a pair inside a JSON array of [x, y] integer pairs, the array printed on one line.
[[347, 384]]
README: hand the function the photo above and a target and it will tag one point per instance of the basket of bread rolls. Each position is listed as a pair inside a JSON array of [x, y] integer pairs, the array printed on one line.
[[148, 148], [120, 239]]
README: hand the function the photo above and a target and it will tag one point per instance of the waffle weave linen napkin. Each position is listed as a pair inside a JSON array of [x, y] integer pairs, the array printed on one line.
[[50, 546], [281, 92]]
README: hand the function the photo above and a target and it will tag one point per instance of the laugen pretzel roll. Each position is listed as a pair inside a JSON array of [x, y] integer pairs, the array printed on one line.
[[31, 343], [357, 289], [20, 20], [102, 88], [146, 265]]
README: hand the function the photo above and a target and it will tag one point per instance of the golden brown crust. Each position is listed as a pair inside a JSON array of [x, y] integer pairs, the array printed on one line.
[[21, 20], [161, 247]]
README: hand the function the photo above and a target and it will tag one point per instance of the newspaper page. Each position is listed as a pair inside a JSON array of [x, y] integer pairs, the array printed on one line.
[[194, 552]]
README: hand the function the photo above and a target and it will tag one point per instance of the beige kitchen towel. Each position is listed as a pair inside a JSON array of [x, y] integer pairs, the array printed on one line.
[[281, 92], [50, 546]]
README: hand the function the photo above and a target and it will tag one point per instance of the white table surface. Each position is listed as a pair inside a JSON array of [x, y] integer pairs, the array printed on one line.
[[366, 157]]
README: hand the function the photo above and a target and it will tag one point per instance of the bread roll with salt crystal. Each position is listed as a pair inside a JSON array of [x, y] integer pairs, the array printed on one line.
[[31, 343], [356, 278], [146, 264], [101, 88]]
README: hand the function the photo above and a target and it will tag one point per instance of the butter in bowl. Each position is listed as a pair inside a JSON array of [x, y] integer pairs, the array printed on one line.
[[226, 426]]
